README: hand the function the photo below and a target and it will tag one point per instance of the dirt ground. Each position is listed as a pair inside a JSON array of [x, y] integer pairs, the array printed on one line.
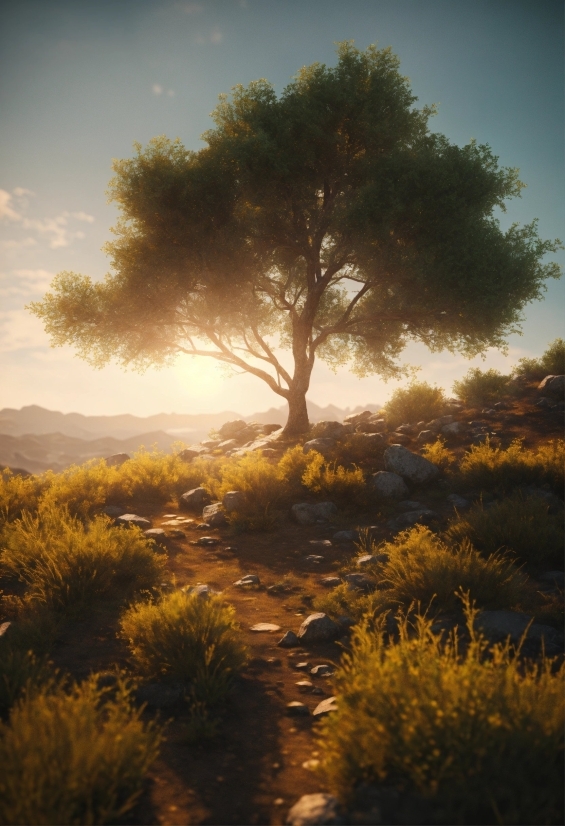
[[257, 765]]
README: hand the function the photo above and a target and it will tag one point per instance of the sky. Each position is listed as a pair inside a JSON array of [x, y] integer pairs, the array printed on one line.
[[80, 81]]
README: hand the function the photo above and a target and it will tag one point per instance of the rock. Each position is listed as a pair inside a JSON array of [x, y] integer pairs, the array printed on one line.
[[458, 502], [410, 518], [409, 505], [399, 438], [499, 625], [214, 515], [318, 628], [389, 485], [453, 429], [371, 426], [271, 428], [323, 446], [4, 628], [114, 510], [304, 685], [194, 499], [158, 535], [159, 695], [116, 459], [345, 536], [234, 500], [426, 436], [322, 670], [304, 666], [357, 418], [296, 709], [314, 810], [128, 519], [190, 453], [265, 627], [327, 430], [410, 466], [307, 514], [290, 640], [544, 403], [249, 579], [228, 444], [206, 541], [320, 543], [358, 582], [325, 707], [230, 429], [330, 581], [202, 591], [314, 559], [369, 559], [368, 442], [553, 385]]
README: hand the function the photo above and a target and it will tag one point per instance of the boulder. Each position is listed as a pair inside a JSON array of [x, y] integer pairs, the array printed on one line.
[[327, 430], [271, 428], [314, 810], [229, 429], [289, 640], [372, 426], [369, 442], [228, 444], [307, 514], [426, 436], [116, 459], [399, 438], [234, 500], [318, 628], [195, 499], [158, 535], [129, 519], [410, 466], [323, 446], [356, 418], [190, 453], [501, 625], [453, 429], [553, 385], [214, 515], [389, 485]]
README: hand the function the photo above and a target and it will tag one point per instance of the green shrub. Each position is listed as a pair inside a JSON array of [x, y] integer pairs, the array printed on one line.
[[519, 523], [479, 388], [332, 481], [495, 469], [73, 757], [479, 738], [67, 565], [551, 363], [189, 639], [419, 401]]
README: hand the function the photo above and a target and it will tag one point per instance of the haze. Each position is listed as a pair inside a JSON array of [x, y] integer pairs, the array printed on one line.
[[80, 81]]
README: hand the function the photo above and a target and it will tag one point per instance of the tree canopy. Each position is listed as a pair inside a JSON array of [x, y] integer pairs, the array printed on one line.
[[329, 221]]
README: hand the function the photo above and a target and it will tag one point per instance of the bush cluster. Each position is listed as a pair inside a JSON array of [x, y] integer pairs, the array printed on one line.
[[419, 401], [551, 363], [479, 388], [490, 468]]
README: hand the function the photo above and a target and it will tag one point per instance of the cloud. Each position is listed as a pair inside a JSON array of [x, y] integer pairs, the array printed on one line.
[[157, 89], [6, 210], [20, 191], [12, 245], [82, 216], [214, 37], [20, 330]]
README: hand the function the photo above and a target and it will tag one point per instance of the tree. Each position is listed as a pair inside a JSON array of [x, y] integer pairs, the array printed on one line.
[[329, 221]]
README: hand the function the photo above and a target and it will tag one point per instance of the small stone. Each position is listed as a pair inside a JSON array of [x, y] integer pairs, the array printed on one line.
[[214, 515], [158, 535], [323, 446], [267, 627], [389, 485], [358, 582], [250, 579], [202, 591], [330, 581], [129, 519], [325, 707], [302, 666], [194, 499], [321, 543], [114, 510], [318, 628], [366, 559], [314, 559], [234, 500], [176, 534], [296, 709], [207, 540], [290, 640], [304, 685], [410, 466], [313, 810], [322, 670]]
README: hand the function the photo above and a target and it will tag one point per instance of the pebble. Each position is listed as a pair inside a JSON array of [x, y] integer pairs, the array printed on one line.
[[206, 540], [330, 581], [322, 670], [313, 809], [314, 559], [304, 666], [296, 709], [304, 685], [321, 543], [249, 579], [325, 707], [267, 627], [127, 519]]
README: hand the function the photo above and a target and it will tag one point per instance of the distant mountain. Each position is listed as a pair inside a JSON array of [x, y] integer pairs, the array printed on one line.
[[36, 439]]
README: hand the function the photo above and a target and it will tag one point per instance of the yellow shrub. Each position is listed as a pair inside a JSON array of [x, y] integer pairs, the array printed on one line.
[[257, 478], [19, 493], [493, 468], [480, 738], [335, 482], [439, 454]]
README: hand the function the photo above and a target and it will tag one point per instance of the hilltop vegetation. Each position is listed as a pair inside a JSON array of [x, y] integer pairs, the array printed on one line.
[[438, 565]]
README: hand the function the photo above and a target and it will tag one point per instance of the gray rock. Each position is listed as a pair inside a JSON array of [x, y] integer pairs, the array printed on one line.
[[453, 429], [314, 559], [194, 499], [214, 515], [249, 579], [323, 446], [410, 518], [458, 502], [206, 540], [307, 514], [389, 485], [318, 628], [158, 535], [372, 426], [356, 418], [369, 442], [114, 510], [202, 591], [314, 810], [158, 695], [228, 444], [400, 438], [410, 466], [369, 559], [358, 582], [190, 453], [230, 429], [234, 500], [325, 707], [320, 543], [117, 459], [409, 505], [328, 430], [426, 436], [129, 519], [553, 385], [499, 625], [290, 640], [345, 536], [265, 627], [296, 709], [556, 579], [330, 581], [322, 670]]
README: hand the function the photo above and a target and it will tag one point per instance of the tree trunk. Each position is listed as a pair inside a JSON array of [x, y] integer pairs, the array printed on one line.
[[297, 422]]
